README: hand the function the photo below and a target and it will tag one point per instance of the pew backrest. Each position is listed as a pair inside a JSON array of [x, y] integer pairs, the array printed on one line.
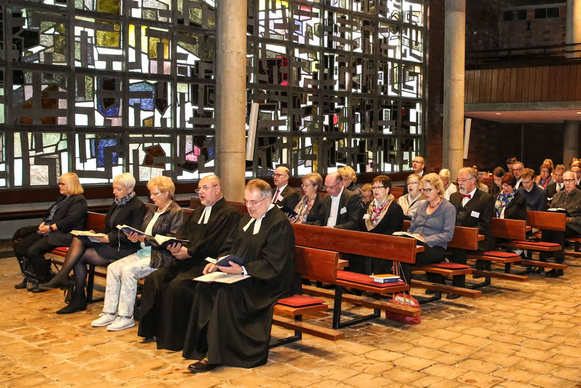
[[546, 220]]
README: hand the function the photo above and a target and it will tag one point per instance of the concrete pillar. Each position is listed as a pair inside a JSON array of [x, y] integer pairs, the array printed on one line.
[[231, 96], [571, 141], [573, 27], [454, 64]]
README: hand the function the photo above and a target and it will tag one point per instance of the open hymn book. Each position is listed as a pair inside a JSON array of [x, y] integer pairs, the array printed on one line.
[[162, 241], [221, 277]]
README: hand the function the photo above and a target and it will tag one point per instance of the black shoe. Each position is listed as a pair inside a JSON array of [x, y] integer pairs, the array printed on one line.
[[73, 308], [554, 273], [430, 292], [452, 296], [201, 366], [55, 282], [21, 285], [37, 289], [148, 340]]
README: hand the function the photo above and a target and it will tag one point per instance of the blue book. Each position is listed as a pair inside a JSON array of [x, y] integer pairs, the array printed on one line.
[[225, 261]]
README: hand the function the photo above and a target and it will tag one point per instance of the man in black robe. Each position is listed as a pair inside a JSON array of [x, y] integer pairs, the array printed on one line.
[[230, 323], [163, 314]]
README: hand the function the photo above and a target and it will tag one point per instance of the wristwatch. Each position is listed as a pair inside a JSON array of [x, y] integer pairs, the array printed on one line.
[[52, 228]]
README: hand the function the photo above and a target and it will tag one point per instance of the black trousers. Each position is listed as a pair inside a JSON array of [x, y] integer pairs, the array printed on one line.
[[559, 238], [430, 255], [31, 246]]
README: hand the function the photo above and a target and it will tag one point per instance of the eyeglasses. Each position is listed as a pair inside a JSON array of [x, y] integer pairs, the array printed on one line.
[[462, 180], [277, 175], [204, 188], [305, 185], [326, 188], [428, 191], [417, 161], [252, 203], [61, 184], [378, 187], [569, 180], [158, 193], [413, 183]]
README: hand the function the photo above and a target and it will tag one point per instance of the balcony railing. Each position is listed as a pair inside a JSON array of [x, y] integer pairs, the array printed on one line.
[[524, 56]]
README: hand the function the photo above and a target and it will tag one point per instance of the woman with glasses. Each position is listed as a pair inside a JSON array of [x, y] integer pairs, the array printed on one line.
[[433, 223], [383, 216], [510, 203], [409, 202], [122, 276], [309, 205], [127, 209], [69, 212]]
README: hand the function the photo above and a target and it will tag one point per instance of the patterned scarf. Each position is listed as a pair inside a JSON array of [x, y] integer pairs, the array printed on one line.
[[375, 213], [502, 201], [123, 201], [303, 208]]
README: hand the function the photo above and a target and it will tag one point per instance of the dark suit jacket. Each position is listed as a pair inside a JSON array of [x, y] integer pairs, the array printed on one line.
[[290, 198], [349, 213], [71, 214], [131, 214], [315, 211], [517, 208], [477, 213]]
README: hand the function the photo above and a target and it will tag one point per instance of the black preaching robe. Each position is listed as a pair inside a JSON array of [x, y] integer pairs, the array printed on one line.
[[230, 323], [161, 314]]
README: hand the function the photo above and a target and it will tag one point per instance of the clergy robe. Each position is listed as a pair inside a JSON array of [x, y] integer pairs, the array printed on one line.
[[161, 313], [230, 323]]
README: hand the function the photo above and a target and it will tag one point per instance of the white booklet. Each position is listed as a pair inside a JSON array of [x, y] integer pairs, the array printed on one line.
[[87, 233], [221, 277]]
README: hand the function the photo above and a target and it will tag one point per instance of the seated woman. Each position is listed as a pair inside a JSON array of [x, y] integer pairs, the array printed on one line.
[[497, 174], [449, 187], [310, 204], [126, 210], [69, 212], [510, 203], [383, 216], [349, 179], [122, 276], [433, 224], [546, 177], [409, 202]]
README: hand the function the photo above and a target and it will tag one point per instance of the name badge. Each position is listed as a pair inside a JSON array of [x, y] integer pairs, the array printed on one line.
[[475, 214], [343, 210], [279, 198]]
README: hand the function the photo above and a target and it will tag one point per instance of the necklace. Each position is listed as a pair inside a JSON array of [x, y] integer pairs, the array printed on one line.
[[164, 209], [436, 205]]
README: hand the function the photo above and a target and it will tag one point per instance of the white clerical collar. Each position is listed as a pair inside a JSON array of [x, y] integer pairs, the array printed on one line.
[[258, 222]]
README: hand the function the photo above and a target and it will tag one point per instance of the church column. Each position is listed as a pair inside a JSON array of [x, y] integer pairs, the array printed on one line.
[[231, 96], [571, 143], [454, 63], [571, 146]]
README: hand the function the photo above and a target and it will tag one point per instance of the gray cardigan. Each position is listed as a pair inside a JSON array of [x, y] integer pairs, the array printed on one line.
[[436, 228]]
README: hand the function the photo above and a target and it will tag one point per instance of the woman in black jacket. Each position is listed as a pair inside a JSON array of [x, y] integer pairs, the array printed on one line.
[[111, 246], [69, 212], [310, 204], [510, 203]]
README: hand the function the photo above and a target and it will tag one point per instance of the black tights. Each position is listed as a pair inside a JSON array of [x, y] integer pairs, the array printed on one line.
[[79, 255]]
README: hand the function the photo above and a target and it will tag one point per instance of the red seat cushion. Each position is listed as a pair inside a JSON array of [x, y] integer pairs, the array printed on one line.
[[300, 301], [61, 250], [500, 254], [449, 266], [364, 279]]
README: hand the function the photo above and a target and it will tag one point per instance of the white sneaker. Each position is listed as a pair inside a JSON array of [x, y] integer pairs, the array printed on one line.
[[105, 319], [121, 323]]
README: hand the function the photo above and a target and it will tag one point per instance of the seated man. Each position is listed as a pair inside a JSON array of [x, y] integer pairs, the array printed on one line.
[[557, 185], [230, 323], [517, 170], [474, 209], [162, 315], [535, 196], [284, 195], [570, 200]]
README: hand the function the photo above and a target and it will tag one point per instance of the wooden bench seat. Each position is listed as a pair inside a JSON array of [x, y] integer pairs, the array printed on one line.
[[350, 242]]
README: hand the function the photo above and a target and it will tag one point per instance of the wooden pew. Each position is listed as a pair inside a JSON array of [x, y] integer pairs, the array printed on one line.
[[365, 244], [313, 264]]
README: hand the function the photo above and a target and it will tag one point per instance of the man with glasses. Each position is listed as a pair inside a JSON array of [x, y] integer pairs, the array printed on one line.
[[474, 209], [517, 169], [419, 168], [163, 314], [557, 185], [284, 196], [577, 171], [342, 209], [534, 194], [569, 200], [230, 323]]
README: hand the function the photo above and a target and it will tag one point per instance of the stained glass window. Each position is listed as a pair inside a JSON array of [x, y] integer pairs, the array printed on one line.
[[100, 87]]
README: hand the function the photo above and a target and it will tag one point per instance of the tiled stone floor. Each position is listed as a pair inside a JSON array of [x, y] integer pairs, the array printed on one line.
[[515, 335]]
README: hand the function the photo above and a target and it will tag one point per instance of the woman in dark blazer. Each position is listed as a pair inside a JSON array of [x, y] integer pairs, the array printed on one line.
[[510, 203], [69, 212], [310, 204], [113, 245], [383, 216]]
